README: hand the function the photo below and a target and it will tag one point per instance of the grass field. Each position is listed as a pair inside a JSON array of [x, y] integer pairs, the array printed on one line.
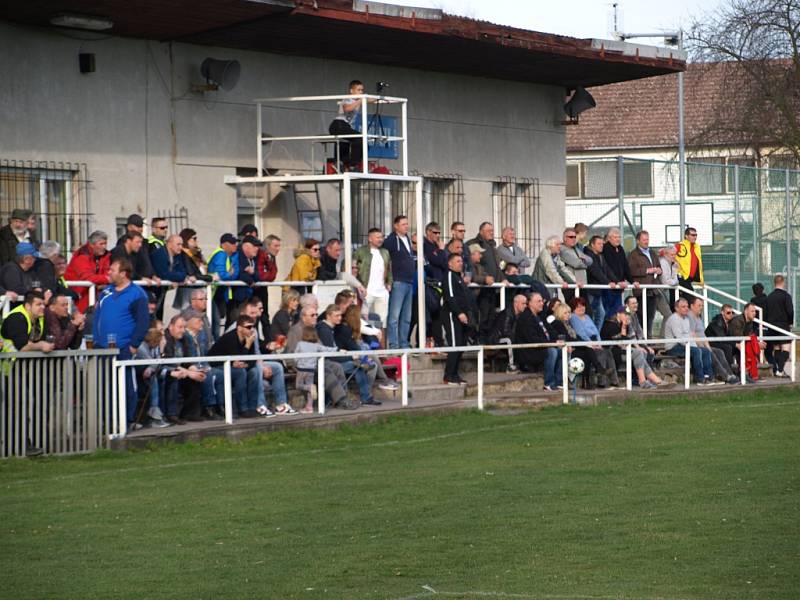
[[665, 499]]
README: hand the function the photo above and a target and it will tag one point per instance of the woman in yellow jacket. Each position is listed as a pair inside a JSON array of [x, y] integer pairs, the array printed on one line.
[[306, 263]]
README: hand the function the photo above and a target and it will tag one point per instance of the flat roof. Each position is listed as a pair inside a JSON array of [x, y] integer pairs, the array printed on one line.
[[369, 32]]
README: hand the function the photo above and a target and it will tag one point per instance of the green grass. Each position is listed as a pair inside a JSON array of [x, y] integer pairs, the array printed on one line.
[[665, 499]]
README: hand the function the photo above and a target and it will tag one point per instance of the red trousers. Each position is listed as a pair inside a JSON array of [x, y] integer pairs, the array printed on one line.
[[752, 351]]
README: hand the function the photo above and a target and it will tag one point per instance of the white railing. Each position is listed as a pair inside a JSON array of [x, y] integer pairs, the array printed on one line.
[[364, 136]]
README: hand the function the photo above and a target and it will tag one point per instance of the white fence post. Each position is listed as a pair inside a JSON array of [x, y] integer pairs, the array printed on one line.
[[226, 380], [705, 304], [742, 369], [687, 366], [628, 361], [644, 314], [92, 295], [480, 378], [122, 403], [565, 374], [404, 379], [321, 386], [792, 358]]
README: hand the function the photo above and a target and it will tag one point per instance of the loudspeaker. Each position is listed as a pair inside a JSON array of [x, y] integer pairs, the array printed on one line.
[[581, 100], [222, 73], [86, 62]]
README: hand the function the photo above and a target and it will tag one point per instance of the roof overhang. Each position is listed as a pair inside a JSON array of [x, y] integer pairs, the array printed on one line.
[[368, 32]]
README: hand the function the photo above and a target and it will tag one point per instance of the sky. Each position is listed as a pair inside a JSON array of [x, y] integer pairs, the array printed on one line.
[[577, 18]]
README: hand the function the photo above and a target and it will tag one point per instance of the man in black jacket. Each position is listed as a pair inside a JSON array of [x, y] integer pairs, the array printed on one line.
[[505, 324], [248, 384], [780, 313], [329, 258], [617, 263], [530, 329], [15, 232], [456, 309], [598, 273], [487, 298], [718, 327]]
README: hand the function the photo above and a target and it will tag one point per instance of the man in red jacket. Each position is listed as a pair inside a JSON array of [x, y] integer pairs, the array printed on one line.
[[90, 262]]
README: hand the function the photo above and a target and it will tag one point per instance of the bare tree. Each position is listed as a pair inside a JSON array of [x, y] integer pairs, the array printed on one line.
[[754, 46]]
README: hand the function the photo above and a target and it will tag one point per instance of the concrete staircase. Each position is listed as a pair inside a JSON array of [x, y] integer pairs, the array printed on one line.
[[425, 376]]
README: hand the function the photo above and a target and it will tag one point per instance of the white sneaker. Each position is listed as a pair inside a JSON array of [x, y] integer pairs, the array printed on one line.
[[155, 413], [389, 385], [265, 412]]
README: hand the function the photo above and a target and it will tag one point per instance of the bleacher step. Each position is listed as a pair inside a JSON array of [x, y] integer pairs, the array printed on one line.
[[438, 391]]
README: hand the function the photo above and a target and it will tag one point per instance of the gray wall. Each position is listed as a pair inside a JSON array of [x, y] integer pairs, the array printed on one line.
[[150, 143]]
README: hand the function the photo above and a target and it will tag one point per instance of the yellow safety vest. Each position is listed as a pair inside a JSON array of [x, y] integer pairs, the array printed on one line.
[[227, 268], [154, 240], [683, 257], [8, 345]]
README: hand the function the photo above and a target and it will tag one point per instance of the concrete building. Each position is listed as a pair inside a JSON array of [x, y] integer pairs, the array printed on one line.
[[85, 149]]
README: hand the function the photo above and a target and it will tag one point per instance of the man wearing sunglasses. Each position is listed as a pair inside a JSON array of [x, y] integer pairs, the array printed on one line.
[[719, 327], [690, 259], [246, 376]]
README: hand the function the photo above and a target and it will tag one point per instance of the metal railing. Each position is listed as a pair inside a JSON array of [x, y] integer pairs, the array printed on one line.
[[60, 402]]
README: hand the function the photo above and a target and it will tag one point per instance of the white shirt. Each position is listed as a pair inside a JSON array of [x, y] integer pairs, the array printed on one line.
[[377, 271]]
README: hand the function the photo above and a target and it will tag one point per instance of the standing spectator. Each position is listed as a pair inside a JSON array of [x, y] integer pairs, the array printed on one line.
[[551, 269], [679, 326], [183, 389], [690, 259], [90, 262], [306, 263], [168, 261], [780, 313], [246, 376], [759, 299], [401, 296], [645, 269], [575, 261], [221, 264], [246, 257], [267, 270], [509, 252], [158, 237], [23, 329], [329, 260], [487, 299], [193, 256], [15, 232], [133, 224], [435, 272], [582, 233], [617, 264], [287, 315], [121, 320], [16, 277], [66, 328], [669, 276], [374, 272], [458, 232], [718, 361], [598, 274], [142, 268], [718, 327], [531, 329], [456, 312]]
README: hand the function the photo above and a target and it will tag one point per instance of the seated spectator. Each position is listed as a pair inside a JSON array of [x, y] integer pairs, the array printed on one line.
[[719, 362], [679, 326], [45, 270], [531, 329], [198, 301], [619, 327], [246, 376], [17, 230], [198, 345], [90, 262], [743, 325], [308, 306], [306, 263], [307, 368], [593, 368], [513, 277], [505, 324], [349, 334], [23, 329], [149, 383], [325, 331], [16, 277], [718, 327], [587, 331], [65, 329], [287, 315], [183, 389]]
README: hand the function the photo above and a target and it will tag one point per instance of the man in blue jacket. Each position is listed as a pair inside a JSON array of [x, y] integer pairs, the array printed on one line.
[[398, 245], [121, 320], [222, 266], [246, 261]]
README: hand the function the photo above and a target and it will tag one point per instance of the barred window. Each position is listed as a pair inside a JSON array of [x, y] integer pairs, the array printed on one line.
[[516, 203], [377, 203], [55, 192], [443, 199]]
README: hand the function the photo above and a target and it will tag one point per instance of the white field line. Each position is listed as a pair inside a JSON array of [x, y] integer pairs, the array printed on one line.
[[422, 440], [430, 593]]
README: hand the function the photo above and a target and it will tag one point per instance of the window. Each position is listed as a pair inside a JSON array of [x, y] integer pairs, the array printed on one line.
[[600, 178], [249, 199], [637, 178], [377, 203], [515, 203], [776, 179], [748, 174], [573, 180], [443, 199], [706, 178], [55, 192]]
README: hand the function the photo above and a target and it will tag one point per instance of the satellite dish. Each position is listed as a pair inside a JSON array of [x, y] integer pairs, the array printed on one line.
[[581, 100], [221, 73]]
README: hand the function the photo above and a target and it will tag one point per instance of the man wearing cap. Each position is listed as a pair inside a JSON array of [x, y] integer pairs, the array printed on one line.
[[246, 259], [90, 262], [142, 267], [15, 232], [226, 269], [16, 277]]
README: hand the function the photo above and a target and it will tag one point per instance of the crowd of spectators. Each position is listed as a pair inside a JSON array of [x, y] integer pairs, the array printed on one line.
[[464, 278]]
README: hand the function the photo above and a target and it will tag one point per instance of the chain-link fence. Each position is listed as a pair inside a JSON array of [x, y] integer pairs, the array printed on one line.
[[746, 217]]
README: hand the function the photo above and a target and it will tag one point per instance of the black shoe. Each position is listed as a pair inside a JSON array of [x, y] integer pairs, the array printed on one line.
[[210, 414], [176, 420], [194, 418], [248, 414], [372, 401], [219, 410], [33, 451]]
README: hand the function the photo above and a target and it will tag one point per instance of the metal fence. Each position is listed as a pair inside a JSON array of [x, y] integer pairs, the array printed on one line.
[[746, 217], [60, 403]]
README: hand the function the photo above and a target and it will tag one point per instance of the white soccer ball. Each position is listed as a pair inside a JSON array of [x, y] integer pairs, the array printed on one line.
[[576, 366]]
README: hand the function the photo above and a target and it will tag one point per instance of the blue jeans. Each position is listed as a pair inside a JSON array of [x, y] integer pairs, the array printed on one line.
[[362, 380], [398, 326], [702, 364], [277, 383], [552, 368], [247, 386], [612, 301], [598, 311]]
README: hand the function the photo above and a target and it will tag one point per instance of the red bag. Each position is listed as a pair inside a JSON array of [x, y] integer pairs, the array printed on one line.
[[397, 364]]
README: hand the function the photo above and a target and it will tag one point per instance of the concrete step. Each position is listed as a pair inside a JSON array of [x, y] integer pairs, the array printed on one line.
[[417, 377], [428, 392], [420, 362]]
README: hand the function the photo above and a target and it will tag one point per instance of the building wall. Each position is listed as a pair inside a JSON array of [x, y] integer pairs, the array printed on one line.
[[149, 142]]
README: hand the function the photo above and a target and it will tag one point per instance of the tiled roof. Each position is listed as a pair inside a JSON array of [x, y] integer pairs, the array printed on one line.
[[644, 113]]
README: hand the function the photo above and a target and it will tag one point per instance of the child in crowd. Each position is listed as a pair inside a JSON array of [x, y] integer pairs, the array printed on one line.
[[307, 367]]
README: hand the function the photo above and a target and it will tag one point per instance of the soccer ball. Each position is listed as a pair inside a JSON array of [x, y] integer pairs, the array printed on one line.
[[576, 366]]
